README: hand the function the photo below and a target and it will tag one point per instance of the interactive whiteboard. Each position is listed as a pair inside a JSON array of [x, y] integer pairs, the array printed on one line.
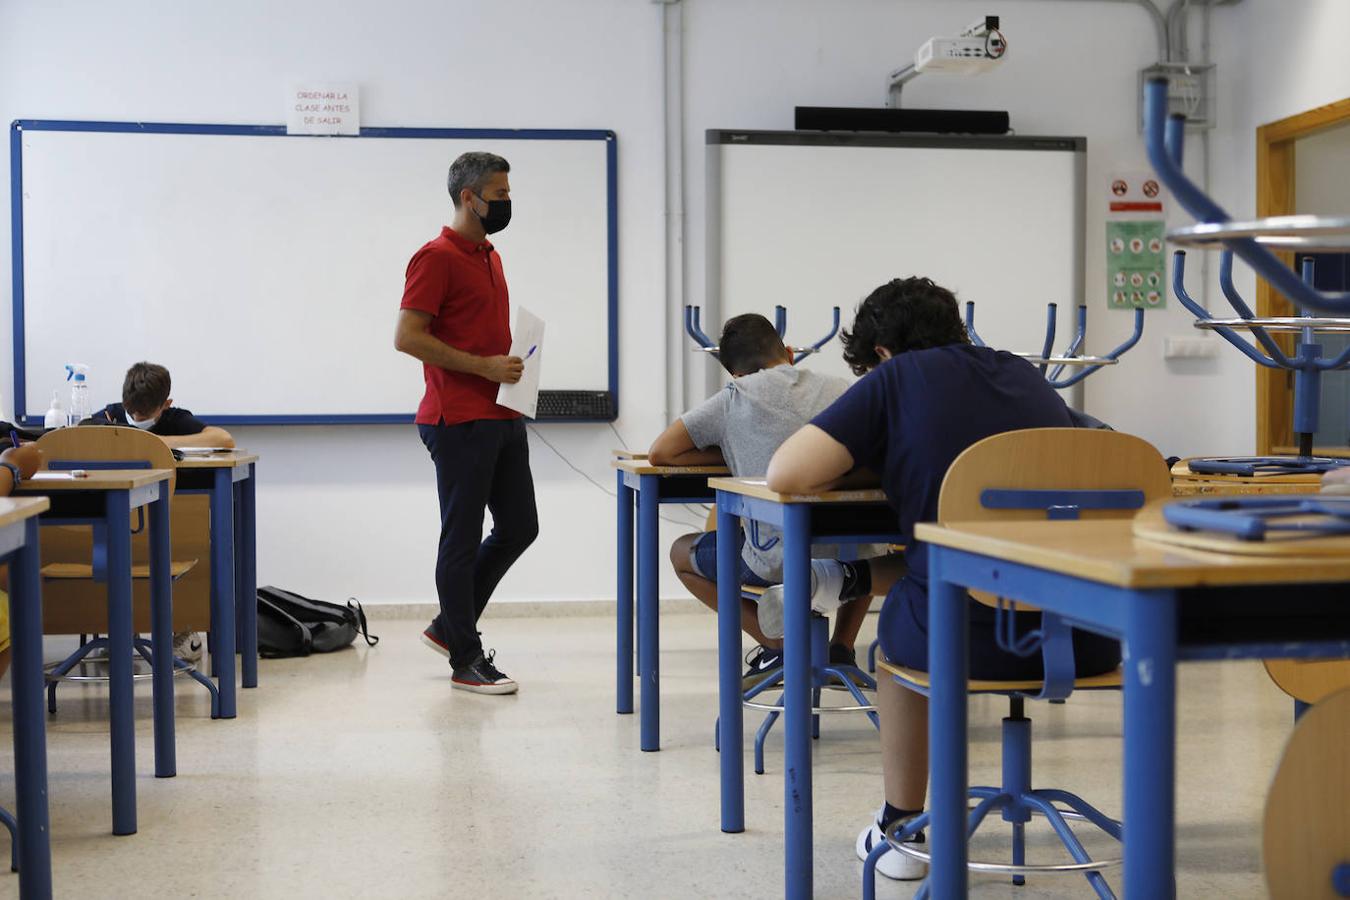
[[265, 270], [815, 220]]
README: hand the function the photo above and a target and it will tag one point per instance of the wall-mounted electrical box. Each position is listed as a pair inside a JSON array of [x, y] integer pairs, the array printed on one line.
[[1190, 91]]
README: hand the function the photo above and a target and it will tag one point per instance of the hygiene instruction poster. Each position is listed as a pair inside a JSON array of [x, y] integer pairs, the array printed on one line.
[[1136, 269]]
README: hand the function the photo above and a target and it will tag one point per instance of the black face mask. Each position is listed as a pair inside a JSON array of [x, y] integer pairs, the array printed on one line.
[[498, 215]]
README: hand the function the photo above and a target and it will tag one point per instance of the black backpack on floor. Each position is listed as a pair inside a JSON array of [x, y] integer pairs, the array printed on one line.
[[292, 625]]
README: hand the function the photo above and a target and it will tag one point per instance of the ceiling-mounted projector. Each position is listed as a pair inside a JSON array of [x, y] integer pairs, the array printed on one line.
[[977, 49]]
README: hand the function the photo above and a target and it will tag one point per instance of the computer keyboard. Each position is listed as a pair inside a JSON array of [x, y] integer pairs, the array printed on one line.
[[574, 405]]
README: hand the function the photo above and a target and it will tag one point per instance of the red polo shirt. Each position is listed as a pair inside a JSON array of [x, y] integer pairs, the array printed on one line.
[[460, 284]]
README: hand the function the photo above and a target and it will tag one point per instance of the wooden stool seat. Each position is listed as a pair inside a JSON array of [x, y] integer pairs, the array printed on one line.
[[1105, 681], [177, 569]]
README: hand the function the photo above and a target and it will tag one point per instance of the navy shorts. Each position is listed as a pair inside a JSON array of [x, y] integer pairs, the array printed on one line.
[[704, 558], [903, 630]]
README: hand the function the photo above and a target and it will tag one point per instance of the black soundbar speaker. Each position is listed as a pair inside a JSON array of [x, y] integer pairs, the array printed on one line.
[[930, 121]]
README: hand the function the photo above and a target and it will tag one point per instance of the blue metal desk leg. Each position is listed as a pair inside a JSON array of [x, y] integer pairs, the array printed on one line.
[[730, 718], [797, 698], [246, 597], [222, 587], [121, 696], [648, 615], [1149, 654], [623, 596], [30, 722], [948, 652], [161, 635]]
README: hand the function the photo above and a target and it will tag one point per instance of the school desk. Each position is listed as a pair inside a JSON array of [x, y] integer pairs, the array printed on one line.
[[834, 517], [228, 479], [105, 499], [649, 486], [1186, 483], [1165, 602], [19, 548]]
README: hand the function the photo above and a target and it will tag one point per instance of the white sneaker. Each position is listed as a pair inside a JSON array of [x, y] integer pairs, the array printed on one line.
[[827, 580], [893, 864], [187, 646]]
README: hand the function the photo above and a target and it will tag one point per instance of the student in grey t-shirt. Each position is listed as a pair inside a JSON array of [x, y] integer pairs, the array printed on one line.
[[743, 424]]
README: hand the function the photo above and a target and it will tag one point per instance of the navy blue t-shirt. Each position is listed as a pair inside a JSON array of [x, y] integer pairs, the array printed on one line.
[[173, 422], [907, 420]]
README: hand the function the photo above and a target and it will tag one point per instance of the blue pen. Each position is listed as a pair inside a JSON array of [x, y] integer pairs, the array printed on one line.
[[14, 439], [531, 353]]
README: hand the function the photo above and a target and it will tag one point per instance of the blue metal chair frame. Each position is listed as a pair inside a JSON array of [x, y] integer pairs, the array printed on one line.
[[1016, 798], [822, 671], [694, 328], [1071, 355], [1253, 518], [100, 575], [1164, 139]]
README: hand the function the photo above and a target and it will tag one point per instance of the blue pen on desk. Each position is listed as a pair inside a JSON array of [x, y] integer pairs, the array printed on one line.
[[531, 353]]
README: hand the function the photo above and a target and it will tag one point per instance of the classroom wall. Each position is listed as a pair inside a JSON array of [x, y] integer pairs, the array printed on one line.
[[1071, 69], [351, 510]]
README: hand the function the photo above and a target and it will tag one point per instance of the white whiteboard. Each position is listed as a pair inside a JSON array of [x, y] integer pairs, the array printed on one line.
[[266, 271], [812, 221]]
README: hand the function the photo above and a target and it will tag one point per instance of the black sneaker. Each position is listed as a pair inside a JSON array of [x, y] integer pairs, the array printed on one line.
[[846, 656], [762, 663], [482, 677]]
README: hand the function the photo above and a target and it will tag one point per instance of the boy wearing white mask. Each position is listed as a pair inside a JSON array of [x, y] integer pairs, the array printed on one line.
[[146, 404]]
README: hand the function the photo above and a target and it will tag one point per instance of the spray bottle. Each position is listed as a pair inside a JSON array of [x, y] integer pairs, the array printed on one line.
[[79, 392]]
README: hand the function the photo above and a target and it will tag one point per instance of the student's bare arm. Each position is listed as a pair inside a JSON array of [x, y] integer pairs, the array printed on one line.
[[211, 436], [413, 336], [674, 447], [808, 462]]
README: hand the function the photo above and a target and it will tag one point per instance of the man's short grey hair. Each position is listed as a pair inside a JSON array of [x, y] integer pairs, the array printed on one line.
[[472, 171]]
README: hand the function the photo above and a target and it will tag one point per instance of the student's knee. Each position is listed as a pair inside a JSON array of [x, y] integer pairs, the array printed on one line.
[[681, 553]]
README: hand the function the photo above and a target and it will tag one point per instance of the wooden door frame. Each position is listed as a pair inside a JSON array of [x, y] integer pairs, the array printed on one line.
[[1275, 197]]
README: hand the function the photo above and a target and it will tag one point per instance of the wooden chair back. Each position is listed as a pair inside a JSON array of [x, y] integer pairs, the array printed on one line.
[[107, 443], [76, 606], [1050, 459], [1309, 680]]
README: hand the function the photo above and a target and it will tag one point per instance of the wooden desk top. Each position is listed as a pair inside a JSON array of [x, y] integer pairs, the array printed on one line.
[[1187, 487], [1106, 551], [98, 480], [759, 489], [628, 454], [1151, 525], [17, 509], [223, 460], [641, 467], [1182, 471]]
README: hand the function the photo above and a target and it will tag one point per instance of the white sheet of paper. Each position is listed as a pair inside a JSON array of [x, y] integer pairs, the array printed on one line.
[[527, 342]]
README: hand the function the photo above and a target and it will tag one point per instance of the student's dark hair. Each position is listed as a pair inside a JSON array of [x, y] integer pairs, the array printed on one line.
[[145, 388], [748, 344], [472, 171], [903, 314]]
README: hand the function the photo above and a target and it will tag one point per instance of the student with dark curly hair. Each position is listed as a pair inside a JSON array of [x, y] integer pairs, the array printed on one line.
[[928, 395]]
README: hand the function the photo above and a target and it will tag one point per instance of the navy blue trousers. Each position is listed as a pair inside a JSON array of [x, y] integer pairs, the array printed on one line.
[[480, 465]]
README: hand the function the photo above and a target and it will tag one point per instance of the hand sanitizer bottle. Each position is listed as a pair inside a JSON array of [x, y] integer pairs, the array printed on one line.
[[56, 416]]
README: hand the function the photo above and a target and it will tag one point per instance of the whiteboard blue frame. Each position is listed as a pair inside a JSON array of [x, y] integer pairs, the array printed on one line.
[[19, 126]]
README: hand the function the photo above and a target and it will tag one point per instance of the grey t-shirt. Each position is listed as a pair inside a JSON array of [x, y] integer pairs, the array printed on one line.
[[748, 420]]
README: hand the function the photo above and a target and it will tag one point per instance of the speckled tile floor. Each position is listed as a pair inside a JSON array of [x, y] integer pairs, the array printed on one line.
[[362, 774]]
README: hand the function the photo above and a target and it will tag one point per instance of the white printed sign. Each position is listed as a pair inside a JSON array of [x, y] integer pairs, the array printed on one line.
[[323, 109]]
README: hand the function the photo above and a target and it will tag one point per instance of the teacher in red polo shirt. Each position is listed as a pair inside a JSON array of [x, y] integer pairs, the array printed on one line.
[[455, 318]]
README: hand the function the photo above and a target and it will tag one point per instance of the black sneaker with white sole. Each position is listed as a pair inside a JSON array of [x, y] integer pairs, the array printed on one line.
[[482, 677], [762, 663]]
